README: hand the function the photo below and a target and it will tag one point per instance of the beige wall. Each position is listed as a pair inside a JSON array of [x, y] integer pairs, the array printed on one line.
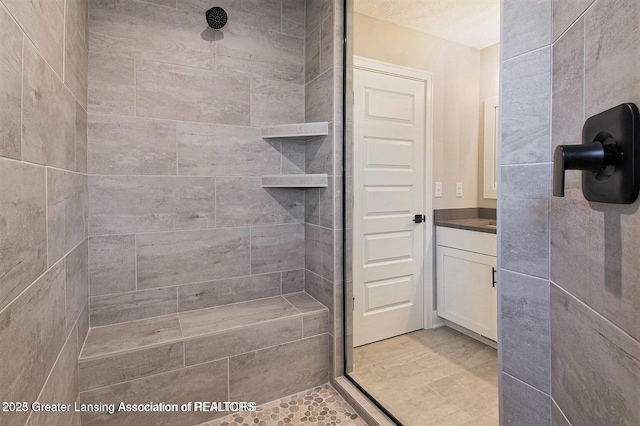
[[456, 95], [489, 87]]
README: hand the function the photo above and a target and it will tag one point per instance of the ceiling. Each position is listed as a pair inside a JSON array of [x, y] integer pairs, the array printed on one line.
[[474, 23]]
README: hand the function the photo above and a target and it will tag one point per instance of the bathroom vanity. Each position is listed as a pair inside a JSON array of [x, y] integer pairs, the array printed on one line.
[[466, 276]]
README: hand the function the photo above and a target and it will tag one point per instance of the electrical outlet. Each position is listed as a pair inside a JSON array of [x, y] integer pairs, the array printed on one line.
[[438, 191], [458, 189]]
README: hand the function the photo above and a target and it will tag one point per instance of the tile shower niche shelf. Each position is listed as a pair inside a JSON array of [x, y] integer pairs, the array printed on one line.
[[298, 181], [299, 132]]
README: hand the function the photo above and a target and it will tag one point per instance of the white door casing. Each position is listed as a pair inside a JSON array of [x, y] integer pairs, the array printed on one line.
[[391, 144]]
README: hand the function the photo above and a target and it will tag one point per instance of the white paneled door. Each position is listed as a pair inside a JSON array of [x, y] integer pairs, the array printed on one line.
[[389, 190]]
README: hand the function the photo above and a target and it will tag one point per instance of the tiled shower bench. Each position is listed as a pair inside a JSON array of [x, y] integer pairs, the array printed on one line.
[[225, 353]]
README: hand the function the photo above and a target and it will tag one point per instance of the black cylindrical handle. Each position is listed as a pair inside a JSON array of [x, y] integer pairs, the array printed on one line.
[[592, 157]]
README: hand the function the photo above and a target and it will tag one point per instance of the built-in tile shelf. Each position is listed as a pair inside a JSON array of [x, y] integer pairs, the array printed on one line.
[[298, 181], [297, 132]]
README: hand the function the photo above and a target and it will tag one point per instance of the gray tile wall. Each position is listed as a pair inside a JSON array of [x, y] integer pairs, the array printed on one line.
[[177, 215], [323, 210], [569, 307], [178, 220], [43, 203], [523, 212], [594, 289]]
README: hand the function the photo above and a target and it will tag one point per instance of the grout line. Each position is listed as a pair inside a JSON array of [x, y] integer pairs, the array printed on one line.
[[22, 49], [135, 260], [53, 367], [520, 55], [592, 311], [239, 227], [135, 88]]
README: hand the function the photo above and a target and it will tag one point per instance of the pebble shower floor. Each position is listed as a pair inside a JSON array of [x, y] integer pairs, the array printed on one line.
[[321, 406]]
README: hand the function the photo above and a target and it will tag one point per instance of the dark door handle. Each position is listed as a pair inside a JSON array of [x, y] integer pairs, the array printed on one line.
[[419, 218], [493, 272]]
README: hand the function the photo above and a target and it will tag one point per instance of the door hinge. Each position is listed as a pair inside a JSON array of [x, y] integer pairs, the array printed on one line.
[[493, 272]]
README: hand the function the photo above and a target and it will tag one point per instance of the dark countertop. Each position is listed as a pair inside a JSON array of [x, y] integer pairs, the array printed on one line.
[[471, 224]]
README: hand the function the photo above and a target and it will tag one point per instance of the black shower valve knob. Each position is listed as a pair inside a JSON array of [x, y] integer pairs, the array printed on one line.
[[609, 157]]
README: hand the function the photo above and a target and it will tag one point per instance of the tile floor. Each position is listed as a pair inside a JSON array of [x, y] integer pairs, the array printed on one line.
[[321, 406], [432, 377]]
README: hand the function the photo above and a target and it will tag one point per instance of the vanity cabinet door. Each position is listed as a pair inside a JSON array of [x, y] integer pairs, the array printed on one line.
[[466, 292]]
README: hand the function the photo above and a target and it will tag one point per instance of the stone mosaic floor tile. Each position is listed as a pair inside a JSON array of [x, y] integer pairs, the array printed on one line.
[[321, 406]]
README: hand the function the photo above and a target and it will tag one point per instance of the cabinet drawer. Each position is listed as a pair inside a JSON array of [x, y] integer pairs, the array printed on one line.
[[478, 242]]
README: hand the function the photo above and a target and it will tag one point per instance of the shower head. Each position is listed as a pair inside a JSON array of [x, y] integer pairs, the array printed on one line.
[[216, 17]]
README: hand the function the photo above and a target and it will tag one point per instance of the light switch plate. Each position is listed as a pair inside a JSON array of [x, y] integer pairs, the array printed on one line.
[[438, 191], [458, 189]]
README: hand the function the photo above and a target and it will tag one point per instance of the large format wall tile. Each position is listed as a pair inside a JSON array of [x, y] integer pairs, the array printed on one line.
[[312, 55], [327, 36], [525, 329], [49, 115], [23, 229], [293, 11], [292, 281], [319, 154], [608, 40], [557, 417], [243, 201], [220, 150], [276, 102], [232, 290], [131, 146], [319, 99], [32, 329], [10, 86], [191, 94], [525, 219], [277, 248], [319, 288], [319, 251], [527, 26], [282, 370], [123, 307], [565, 13], [43, 23], [204, 382], [525, 113], [145, 31], [112, 87], [61, 387], [81, 139], [112, 264], [192, 256], [596, 366], [75, 50], [131, 336], [95, 373], [258, 53], [242, 340], [77, 283], [66, 211], [523, 405], [316, 12], [568, 87], [136, 204], [227, 317], [263, 14]]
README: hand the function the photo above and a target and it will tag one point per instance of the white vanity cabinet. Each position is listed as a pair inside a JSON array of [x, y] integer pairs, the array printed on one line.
[[466, 279]]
